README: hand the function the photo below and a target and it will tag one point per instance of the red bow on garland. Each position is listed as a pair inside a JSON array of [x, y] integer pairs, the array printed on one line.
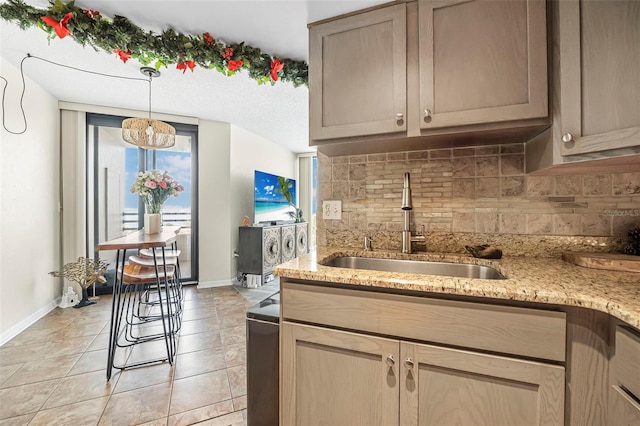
[[91, 13], [208, 39], [183, 66], [60, 27], [234, 65], [228, 53], [124, 56], [276, 67]]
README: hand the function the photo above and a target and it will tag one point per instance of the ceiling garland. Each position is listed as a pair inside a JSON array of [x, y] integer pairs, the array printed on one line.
[[125, 40]]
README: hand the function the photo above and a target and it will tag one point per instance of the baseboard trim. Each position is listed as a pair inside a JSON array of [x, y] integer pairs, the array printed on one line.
[[211, 284], [28, 321]]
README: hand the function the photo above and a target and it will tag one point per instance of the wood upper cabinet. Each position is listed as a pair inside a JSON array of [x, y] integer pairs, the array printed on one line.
[[482, 61], [454, 387], [357, 75], [331, 377], [409, 69], [599, 58]]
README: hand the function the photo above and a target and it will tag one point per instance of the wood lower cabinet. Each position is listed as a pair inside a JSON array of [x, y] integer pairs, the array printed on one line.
[[338, 371], [442, 386], [624, 409], [331, 377], [624, 392]]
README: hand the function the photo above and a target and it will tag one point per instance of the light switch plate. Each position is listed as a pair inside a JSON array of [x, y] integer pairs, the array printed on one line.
[[332, 209]]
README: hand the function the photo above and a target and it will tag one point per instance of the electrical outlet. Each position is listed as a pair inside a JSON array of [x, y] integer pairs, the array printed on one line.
[[332, 209]]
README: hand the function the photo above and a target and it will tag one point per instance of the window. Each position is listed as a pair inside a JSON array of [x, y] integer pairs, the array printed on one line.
[[112, 166]]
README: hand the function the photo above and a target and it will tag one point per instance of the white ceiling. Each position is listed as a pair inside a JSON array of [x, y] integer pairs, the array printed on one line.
[[278, 113]]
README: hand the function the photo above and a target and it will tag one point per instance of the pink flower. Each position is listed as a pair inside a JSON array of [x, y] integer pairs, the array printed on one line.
[[163, 184], [151, 184]]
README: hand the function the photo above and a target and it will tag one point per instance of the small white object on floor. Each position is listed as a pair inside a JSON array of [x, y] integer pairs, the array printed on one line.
[[254, 281], [69, 298]]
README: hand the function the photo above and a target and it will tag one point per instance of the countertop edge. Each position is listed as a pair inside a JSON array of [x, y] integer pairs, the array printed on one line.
[[537, 280]]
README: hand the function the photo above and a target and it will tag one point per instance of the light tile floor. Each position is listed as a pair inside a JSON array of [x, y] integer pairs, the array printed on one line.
[[54, 373]]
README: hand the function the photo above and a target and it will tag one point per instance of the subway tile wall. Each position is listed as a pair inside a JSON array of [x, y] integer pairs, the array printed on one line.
[[475, 195]]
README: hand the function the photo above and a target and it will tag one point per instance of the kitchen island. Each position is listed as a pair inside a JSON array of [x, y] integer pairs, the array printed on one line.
[[428, 349]]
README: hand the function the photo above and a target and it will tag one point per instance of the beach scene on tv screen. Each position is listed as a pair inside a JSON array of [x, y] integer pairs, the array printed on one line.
[[270, 204]]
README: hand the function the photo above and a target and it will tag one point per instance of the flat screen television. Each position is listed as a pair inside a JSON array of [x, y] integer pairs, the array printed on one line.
[[270, 198]]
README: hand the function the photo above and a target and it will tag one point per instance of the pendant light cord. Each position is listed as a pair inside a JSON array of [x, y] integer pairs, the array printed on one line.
[[30, 56], [150, 97], [4, 90]]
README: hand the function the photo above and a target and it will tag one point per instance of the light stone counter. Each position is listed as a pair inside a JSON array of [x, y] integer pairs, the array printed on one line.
[[543, 280]]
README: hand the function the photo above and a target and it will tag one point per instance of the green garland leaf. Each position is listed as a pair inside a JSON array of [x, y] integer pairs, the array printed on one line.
[[89, 27]]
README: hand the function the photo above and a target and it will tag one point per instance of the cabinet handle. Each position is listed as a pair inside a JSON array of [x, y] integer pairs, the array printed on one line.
[[409, 363], [391, 361], [427, 113], [567, 137], [399, 119]]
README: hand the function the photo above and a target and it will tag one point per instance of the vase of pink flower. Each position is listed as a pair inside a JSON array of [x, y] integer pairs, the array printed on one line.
[[155, 187]]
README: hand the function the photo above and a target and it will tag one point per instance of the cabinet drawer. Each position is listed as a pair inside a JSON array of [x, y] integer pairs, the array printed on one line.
[[624, 409], [511, 330], [627, 360]]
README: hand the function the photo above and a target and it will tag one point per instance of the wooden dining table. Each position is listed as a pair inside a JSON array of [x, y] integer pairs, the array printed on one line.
[[158, 243]]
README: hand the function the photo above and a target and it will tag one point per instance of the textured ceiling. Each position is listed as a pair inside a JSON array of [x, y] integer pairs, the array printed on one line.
[[278, 113]]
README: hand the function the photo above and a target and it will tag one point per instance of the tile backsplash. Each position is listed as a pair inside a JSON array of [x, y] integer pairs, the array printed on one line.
[[475, 195]]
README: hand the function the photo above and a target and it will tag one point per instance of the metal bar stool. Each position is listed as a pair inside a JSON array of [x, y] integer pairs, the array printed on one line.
[[171, 256], [127, 315], [175, 288]]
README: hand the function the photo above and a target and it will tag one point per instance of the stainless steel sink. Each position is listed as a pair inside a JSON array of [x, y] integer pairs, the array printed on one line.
[[462, 270]]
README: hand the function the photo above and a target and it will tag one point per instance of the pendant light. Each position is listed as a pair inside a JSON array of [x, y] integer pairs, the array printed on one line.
[[148, 133]]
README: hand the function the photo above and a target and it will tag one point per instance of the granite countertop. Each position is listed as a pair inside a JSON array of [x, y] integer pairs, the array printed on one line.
[[543, 280]]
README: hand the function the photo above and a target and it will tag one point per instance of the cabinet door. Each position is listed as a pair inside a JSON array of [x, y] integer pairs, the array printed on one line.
[[332, 377], [599, 44], [482, 61], [357, 75], [271, 244], [441, 386], [624, 410], [288, 243], [301, 239]]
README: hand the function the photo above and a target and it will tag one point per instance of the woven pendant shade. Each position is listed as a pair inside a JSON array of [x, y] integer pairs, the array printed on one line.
[[148, 133]]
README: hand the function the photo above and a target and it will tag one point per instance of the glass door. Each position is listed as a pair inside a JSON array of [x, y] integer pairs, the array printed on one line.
[[112, 167]]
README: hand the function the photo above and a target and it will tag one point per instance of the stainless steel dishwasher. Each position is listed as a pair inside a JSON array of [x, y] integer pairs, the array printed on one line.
[[263, 331]]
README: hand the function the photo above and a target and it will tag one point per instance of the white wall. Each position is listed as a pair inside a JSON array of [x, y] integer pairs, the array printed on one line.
[[248, 153], [228, 156], [29, 215]]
